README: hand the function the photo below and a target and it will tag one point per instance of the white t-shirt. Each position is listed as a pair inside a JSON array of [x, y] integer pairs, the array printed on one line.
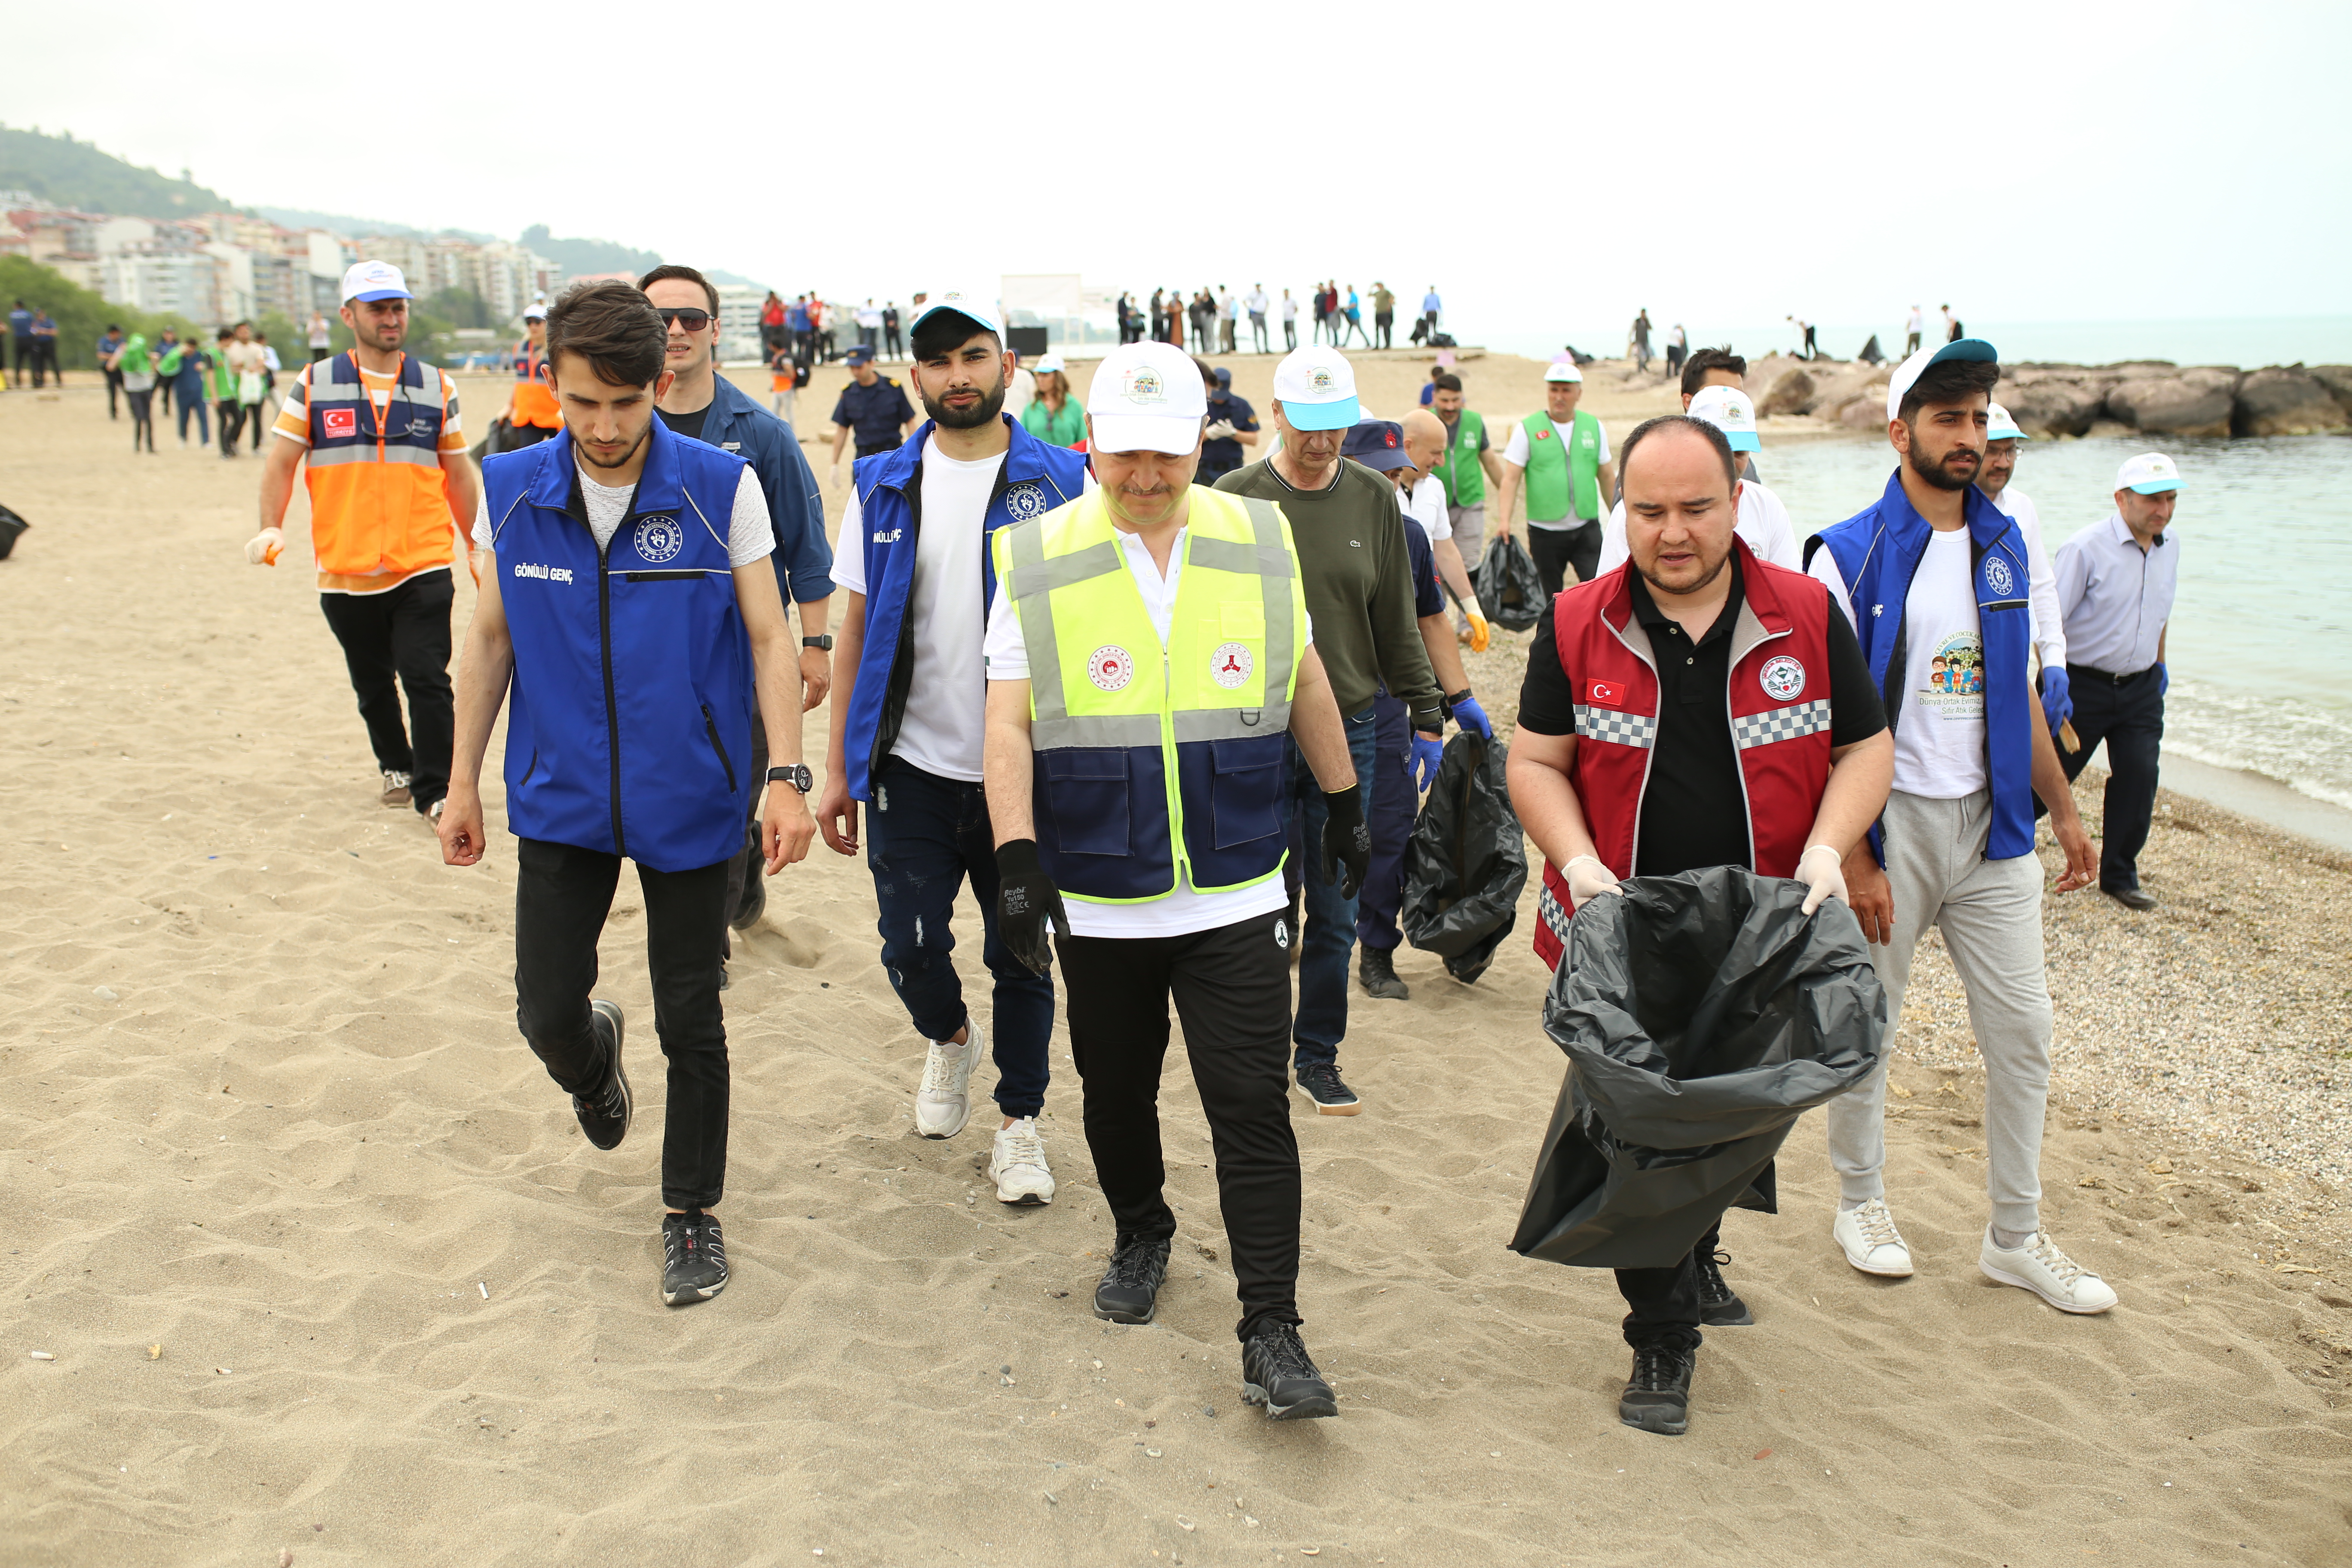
[[1182, 911], [1257, 302], [1289, 309], [1516, 454], [1425, 504], [1763, 523], [1020, 392], [1939, 729], [2049, 624], [749, 537], [1913, 322]]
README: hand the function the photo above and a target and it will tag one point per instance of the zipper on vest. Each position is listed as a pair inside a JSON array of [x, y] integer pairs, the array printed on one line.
[[611, 706], [710, 728]]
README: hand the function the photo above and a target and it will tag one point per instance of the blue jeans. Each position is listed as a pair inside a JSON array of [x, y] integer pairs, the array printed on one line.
[[924, 835], [1392, 824], [1330, 935]]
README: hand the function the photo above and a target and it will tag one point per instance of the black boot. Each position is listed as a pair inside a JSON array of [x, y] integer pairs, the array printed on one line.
[[1719, 1306], [1376, 970]]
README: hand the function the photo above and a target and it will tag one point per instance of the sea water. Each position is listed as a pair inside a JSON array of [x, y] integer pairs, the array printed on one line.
[[2260, 647], [2249, 343]]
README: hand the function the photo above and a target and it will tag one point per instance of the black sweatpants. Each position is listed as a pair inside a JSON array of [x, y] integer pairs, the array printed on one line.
[[748, 862], [1232, 989], [1664, 1302], [2127, 713], [562, 894], [402, 635], [1558, 549]]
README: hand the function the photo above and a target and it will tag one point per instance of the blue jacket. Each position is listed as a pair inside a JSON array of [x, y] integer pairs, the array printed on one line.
[[1878, 552], [795, 508], [1035, 480], [629, 726]]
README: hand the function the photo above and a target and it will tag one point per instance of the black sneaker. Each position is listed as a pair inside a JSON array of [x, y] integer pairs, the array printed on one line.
[[694, 1258], [1130, 1291], [1331, 1095], [1376, 970], [754, 902], [605, 1115], [1278, 1373], [1719, 1306], [1657, 1396]]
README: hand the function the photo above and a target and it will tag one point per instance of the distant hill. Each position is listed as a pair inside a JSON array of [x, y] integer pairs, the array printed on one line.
[[579, 256], [76, 174], [349, 226]]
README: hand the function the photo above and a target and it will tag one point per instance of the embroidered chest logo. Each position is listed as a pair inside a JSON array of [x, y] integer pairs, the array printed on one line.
[[1109, 668], [660, 539], [1024, 502], [1230, 664], [1998, 577], [1783, 678], [340, 421]]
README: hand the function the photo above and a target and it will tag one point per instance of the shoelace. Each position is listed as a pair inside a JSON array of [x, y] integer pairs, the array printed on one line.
[[1285, 1354], [698, 1234], [2045, 1252], [1877, 1225], [1133, 1263], [945, 1063], [1710, 1276], [1654, 1367], [1023, 1146]]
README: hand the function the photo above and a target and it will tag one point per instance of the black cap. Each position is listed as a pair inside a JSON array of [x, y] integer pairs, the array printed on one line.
[[1376, 444]]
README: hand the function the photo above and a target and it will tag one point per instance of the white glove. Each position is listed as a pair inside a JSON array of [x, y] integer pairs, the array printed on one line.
[[833, 477], [1823, 870], [262, 548], [1588, 878], [1222, 430]]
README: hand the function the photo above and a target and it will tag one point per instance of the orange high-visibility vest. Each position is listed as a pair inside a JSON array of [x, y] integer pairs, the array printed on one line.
[[377, 506]]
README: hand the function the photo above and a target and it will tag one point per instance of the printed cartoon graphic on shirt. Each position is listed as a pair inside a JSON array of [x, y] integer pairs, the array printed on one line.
[[1954, 684]]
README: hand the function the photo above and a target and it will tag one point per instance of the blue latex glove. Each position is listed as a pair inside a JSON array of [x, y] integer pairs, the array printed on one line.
[[1426, 752], [2163, 681], [1471, 716], [2057, 702]]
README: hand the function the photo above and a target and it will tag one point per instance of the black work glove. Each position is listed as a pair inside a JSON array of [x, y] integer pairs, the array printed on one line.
[[1026, 901], [1346, 841]]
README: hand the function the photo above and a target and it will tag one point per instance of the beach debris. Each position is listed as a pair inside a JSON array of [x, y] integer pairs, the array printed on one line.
[[2286, 1268], [1052, 1499], [106, 993], [1184, 1523], [2159, 1167], [154, 1352], [1248, 1520], [1153, 1452], [224, 1372], [285, 1557], [483, 1286], [43, 1355], [1763, 1453]]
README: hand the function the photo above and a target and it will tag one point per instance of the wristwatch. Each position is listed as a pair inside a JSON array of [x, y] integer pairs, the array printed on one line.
[[797, 775], [822, 643]]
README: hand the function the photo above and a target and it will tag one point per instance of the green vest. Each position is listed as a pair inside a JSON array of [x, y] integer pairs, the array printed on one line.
[[1553, 473], [1145, 763], [1459, 472]]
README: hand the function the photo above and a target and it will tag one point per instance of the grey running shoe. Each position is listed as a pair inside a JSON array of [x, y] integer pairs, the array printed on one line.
[[1657, 1396], [605, 1115], [694, 1258], [1278, 1372], [1130, 1291]]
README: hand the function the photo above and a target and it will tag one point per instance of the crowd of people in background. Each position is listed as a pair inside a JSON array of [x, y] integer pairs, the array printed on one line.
[[1209, 320]]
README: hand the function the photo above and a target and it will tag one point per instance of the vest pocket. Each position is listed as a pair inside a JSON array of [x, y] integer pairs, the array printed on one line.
[[1246, 790], [1088, 786], [710, 728]]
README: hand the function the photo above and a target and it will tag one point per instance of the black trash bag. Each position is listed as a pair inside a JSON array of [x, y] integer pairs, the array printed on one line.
[[1871, 353], [12, 528], [1466, 863], [1701, 1015], [1510, 591]]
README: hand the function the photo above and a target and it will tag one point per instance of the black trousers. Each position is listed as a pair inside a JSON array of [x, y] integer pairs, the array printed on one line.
[[562, 894], [2127, 713], [227, 414], [1232, 989], [1558, 549], [748, 862], [1385, 325], [1662, 1303], [403, 637], [113, 394]]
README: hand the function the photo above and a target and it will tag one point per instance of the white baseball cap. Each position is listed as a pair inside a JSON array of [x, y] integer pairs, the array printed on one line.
[[981, 307], [2150, 473], [1316, 388], [1908, 372], [1727, 409], [2001, 427], [374, 280], [1563, 370], [1050, 364], [1147, 397]]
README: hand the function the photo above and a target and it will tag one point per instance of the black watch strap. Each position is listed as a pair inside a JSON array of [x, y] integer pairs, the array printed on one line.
[[797, 775], [823, 642]]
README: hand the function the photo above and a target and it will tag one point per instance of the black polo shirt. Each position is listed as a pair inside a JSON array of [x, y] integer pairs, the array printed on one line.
[[873, 413], [1695, 807], [1223, 454]]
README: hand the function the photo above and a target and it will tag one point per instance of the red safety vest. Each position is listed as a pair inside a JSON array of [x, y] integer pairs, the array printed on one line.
[[1779, 701]]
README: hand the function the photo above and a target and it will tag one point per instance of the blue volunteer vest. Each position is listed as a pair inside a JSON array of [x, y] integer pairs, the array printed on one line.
[[629, 720], [1878, 552]]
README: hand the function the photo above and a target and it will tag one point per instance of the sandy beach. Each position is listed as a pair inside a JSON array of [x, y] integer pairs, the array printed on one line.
[[311, 1250]]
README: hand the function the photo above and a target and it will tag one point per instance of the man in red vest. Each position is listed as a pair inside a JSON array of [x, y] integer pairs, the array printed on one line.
[[1694, 707]]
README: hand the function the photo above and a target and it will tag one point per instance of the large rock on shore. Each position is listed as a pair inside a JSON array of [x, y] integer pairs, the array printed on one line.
[[1791, 392], [2198, 401], [2286, 401], [2337, 379], [2047, 405]]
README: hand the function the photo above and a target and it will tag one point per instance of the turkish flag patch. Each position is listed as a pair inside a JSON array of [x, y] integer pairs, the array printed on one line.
[[1607, 693], [340, 421], [1543, 435]]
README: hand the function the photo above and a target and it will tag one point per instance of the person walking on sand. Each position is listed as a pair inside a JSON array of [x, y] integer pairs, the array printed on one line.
[[1763, 522], [1359, 586], [134, 362], [1232, 425], [2004, 443], [1933, 570], [1148, 901], [45, 347], [1806, 349], [1256, 303], [628, 608], [248, 379], [1432, 307], [531, 411], [1469, 458], [383, 450], [20, 338], [1912, 325], [321, 336], [1640, 333], [1289, 322], [2115, 583], [1559, 459], [1694, 707], [875, 407], [1383, 315], [1423, 498], [108, 343], [909, 690]]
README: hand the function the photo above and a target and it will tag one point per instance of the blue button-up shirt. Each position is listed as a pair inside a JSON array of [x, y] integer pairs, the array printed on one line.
[[2115, 595]]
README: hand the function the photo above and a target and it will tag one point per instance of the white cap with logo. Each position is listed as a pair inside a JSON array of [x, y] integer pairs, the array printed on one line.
[[2000, 426], [2150, 473], [1147, 397], [1727, 409], [981, 307], [1562, 370], [374, 280], [1316, 388], [1908, 372]]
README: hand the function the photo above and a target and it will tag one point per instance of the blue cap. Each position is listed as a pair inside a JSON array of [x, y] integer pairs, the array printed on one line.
[[860, 355], [1376, 444], [1225, 378]]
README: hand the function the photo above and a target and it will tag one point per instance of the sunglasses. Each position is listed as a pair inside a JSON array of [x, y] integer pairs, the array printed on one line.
[[692, 320]]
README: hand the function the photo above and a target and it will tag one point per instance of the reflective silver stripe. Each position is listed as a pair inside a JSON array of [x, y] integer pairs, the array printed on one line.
[[364, 452], [1608, 724], [1026, 544], [1098, 559], [723, 543], [1273, 586], [1799, 719], [1115, 729], [1553, 915], [1232, 555], [1192, 724]]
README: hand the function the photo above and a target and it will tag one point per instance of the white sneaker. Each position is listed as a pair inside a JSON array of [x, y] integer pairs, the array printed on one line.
[[1871, 1243], [943, 1104], [2041, 1268], [1017, 1164]]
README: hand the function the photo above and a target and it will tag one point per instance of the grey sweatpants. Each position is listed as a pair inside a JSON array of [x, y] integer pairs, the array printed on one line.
[[1991, 912]]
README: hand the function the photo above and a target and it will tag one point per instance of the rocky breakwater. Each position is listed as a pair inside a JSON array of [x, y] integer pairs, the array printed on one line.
[[2153, 398]]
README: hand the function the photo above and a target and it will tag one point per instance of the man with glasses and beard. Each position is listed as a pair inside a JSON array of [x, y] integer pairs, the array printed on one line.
[[706, 406], [910, 686]]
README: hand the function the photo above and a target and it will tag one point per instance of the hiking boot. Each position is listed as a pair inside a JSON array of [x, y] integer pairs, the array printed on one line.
[[1657, 1396], [1324, 1086], [605, 1115], [1376, 972], [694, 1258], [395, 787], [1130, 1291], [1719, 1306], [1278, 1373]]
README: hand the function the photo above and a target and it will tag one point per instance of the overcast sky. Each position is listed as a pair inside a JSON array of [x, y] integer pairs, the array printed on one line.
[[1547, 165]]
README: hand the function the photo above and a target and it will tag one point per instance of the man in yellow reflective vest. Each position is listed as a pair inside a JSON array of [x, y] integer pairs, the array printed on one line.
[[1148, 651]]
